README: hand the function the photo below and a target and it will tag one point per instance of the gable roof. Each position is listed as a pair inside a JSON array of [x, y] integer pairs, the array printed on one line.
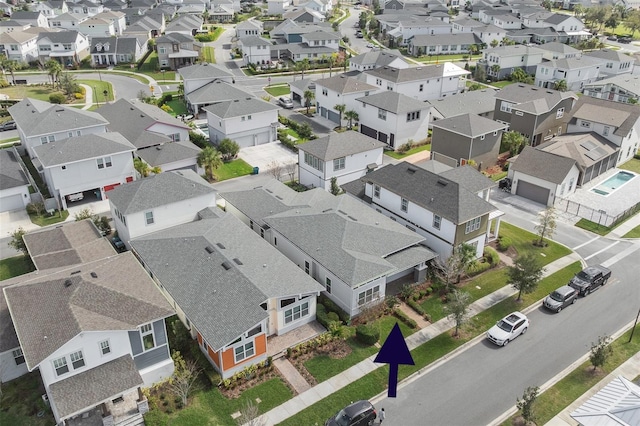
[[204, 71], [11, 173], [469, 178], [378, 57], [69, 36], [394, 102], [542, 164], [617, 403], [447, 39], [216, 91], [174, 38], [628, 82], [338, 145], [620, 115], [169, 152], [253, 40], [513, 50], [125, 44], [401, 75], [585, 148], [533, 99], [572, 63], [555, 46], [470, 125], [84, 147], [609, 55], [240, 107], [49, 308], [344, 84], [474, 102]]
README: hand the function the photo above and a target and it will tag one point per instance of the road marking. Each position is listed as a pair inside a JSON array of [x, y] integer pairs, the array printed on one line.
[[584, 244], [620, 256], [600, 251]]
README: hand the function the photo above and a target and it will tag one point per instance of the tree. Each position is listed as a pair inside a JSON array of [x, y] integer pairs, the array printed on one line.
[[275, 169], [83, 214], [494, 43], [67, 82], [450, 271], [547, 4], [12, 66], [333, 58], [302, 66], [185, 375], [250, 415], [17, 242], [520, 75], [495, 70], [352, 116], [290, 169], [525, 273], [205, 16], [560, 85], [305, 131], [335, 189], [309, 95], [526, 405], [479, 73], [513, 141], [578, 10], [144, 169], [102, 223], [600, 351], [210, 159], [54, 69], [612, 21], [340, 108], [457, 308], [228, 148], [546, 224], [633, 21]]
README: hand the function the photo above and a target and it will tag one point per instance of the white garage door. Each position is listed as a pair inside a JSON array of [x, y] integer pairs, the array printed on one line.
[[533, 192], [12, 202]]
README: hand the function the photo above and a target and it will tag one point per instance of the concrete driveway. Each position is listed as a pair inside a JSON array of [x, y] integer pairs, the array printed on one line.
[[266, 155]]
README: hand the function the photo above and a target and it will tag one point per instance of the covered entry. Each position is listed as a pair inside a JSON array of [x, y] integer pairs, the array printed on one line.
[[533, 192]]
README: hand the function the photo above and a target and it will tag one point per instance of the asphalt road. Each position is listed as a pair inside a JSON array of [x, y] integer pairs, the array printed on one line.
[[484, 381]]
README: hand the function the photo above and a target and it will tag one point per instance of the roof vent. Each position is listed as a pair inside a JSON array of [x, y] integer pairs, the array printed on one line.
[[220, 245], [279, 197], [268, 190], [75, 272], [352, 218], [209, 249], [60, 110], [238, 261], [159, 147], [94, 275], [340, 211], [326, 210], [442, 182], [411, 169], [226, 265], [67, 283]]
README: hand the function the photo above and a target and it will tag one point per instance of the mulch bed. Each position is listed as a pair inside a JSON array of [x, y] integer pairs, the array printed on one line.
[[336, 349], [234, 391]]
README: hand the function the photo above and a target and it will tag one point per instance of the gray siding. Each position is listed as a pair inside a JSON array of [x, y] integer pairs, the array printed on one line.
[[450, 144], [160, 332], [151, 357], [136, 342]]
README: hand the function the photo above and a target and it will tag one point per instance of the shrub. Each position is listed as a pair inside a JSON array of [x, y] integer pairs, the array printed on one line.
[[492, 256], [407, 291], [415, 306], [404, 318], [504, 243], [78, 95], [321, 315], [367, 334], [428, 291], [332, 316], [57, 98], [332, 307], [391, 301], [477, 267], [198, 140]]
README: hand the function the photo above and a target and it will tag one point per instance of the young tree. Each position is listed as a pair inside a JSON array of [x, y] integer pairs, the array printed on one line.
[[457, 308], [525, 273], [275, 169], [309, 95], [495, 71], [183, 380], [54, 69], [302, 66], [526, 405], [67, 83], [209, 158], [102, 223], [352, 116], [560, 85], [290, 169], [494, 43], [340, 108], [513, 141], [335, 189], [520, 75], [12, 66], [17, 242], [250, 415], [600, 351], [546, 225], [450, 270], [228, 148], [83, 214], [305, 131]]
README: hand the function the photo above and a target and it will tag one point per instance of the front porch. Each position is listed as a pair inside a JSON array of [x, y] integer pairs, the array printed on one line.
[[277, 345], [124, 410]]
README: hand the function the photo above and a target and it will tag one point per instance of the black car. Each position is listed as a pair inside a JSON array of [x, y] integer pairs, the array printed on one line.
[[505, 184], [9, 125], [624, 40], [118, 244], [360, 413]]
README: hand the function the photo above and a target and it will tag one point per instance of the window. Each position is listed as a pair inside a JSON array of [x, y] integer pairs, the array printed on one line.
[[404, 204], [327, 285], [413, 116], [77, 360], [306, 267], [472, 225], [560, 113], [605, 132], [313, 161], [338, 164], [421, 88], [369, 295], [18, 356], [104, 162], [60, 365], [585, 123], [376, 191], [505, 106], [382, 114], [162, 50], [244, 351], [148, 218], [67, 46], [175, 137], [148, 339], [436, 221], [47, 139], [254, 331], [105, 348], [296, 313]]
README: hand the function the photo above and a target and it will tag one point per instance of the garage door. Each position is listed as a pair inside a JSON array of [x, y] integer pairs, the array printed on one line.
[[333, 116], [12, 202], [368, 131], [533, 192]]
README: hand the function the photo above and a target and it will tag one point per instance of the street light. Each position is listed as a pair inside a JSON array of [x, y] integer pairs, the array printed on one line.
[[95, 94]]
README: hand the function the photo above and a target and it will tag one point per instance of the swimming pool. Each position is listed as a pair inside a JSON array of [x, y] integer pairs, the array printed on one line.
[[613, 183]]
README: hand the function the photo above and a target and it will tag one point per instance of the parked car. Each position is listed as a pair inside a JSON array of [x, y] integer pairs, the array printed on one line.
[[9, 125], [508, 328], [370, 45], [612, 38], [118, 244], [285, 102], [360, 413], [590, 279], [505, 184], [561, 298], [624, 40]]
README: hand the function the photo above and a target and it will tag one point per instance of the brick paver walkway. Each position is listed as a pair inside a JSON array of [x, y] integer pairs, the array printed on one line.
[[292, 375]]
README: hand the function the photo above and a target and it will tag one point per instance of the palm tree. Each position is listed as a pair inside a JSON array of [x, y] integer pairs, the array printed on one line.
[[352, 116], [302, 66], [495, 70], [333, 58], [210, 159], [53, 69], [340, 108], [560, 85], [12, 66], [144, 169], [308, 95]]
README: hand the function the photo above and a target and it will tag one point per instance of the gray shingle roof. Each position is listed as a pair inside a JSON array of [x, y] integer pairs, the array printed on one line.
[[322, 35], [380, 58], [532, 99], [83, 147], [216, 91], [253, 40], [470, 125], [555, 46], [513, 50], [573, 63], [221, 303], [60, 37], [159, 190], [49, 309], [628, 82], [203, 71], [414, 73], [79, 392], [8, 336], [343, 84], [174, 38], [469, 178], [337, 145], [168, 153], [473, 102], [541, 164], [616, 114], [446, 39], [238, 107], [37, 118], [11, 173], [610, 55], [572, 145], [394, 102], [117, 45], [436, 193]]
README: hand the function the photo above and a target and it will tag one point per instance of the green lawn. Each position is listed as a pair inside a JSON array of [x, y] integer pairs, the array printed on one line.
[[324, 367], [208, 54], [522, 241], [632, 165], [23, 91], [593, 227], [151, 67], [443, 58], [232, 170], [634, 233], [21, 402], [400, 156], [498, 176], [279, 90], [99, 88], [177, 107], [501, 84], [14, 266], [49, 220]]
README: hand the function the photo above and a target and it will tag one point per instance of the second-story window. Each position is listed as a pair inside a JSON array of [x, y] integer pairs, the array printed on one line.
[[436, 221], [404, 204], [148, 218], [338, 163], [104, 162]]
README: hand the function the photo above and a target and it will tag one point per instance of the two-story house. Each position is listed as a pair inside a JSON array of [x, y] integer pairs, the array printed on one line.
[[251, 27], [304, 14], [21, 46], [8, 26], [442, 44], [255, 50], [67, 47], [554, 51], [478, 102], [376, 59], [345, 156], [393, 118], [185, 24], [355, 252], [51, 8], [107, 51], [176, 50], [277, 7], [536, 113], [621, 88], [467, 137], [35, 19], [575, 72], [613, 62], [199, 75], [86, 7], [118, 18], [340, 90], [501, 61], [67, 21], [97, 27], [448, 209], [14, 185]]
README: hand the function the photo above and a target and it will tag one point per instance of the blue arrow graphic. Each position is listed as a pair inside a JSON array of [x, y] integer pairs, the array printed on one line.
[[394, 351]]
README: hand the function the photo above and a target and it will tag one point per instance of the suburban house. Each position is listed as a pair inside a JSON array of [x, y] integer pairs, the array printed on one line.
[[170, 199], [478, 102], [251, 27], [622, 88], [613, 62], [50, 8], [340, 90], [355, 252], [67, 47], [107, 51], [248, 121], [146, 25], [393, 118], [35, 19], [97, 27], [535, 112], [447, 209], [277, 7], [91, 322], [554, 51], [118, 19], [255, 50], [39, 122], [576, 72], [422, 82], [172, 156], [199, 75], [87, 8], [375, 59], [304, 14], [67, 21], [217, 90], [185, 24], [177, 50], [19, 46], [615, 403], [442, 44], [347, 156], [468, 137], [500, 62], [9, 26], [14, 185], [615, 121]]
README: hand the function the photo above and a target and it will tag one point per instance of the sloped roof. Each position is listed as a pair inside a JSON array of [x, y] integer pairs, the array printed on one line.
[[168, 153], [83, 147], [531, 98], [394, 102], [473, 102], [344, 84], [555, 46], [69, 36], [447, 39], [541, 164], [401, 75], [586, 148], [380, 58], [253, 40], [470, 125], [620, 115], [469, 178], [609, 55], [628, 82], [616, 404], [240, 107], [216, 91], [11, 173], [203, 71], [572, 63], [338, 145]]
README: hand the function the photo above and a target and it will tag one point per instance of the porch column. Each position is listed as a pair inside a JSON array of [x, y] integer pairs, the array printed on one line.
[[497, 228]]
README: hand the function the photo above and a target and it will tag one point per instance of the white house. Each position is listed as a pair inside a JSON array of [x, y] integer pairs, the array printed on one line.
[[615, 403], [14, 185], [576, 72], [199, 75], [118, 19], [393, 118], [50, 9], [35, 19], [345, 156], [97, 27], [613, 62], [255, 50], [87, 8], [377, 58], [277, 7], [621, 88], [67, 47], [250, 121], [489, 33], [340, 90], [554, 51], [501, 61], [19, 46], [250, 27], [67, 21]]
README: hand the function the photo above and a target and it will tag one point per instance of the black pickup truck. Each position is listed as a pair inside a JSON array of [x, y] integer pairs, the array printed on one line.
[[590, 279]]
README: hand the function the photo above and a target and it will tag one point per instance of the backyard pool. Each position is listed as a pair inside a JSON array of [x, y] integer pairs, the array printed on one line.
[[613, 183]]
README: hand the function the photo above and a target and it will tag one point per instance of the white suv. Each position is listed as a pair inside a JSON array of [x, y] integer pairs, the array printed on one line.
[[508, 328]]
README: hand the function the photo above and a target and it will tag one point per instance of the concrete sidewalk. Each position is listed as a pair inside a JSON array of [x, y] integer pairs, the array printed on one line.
[[326, 388], [625, 227]]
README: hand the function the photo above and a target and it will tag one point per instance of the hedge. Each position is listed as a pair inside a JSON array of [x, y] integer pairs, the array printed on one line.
[[415, 306], [504, 243], [332, 307], [492, 256], [404, 318], [477, 268], [321, 315], [367, 334]]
